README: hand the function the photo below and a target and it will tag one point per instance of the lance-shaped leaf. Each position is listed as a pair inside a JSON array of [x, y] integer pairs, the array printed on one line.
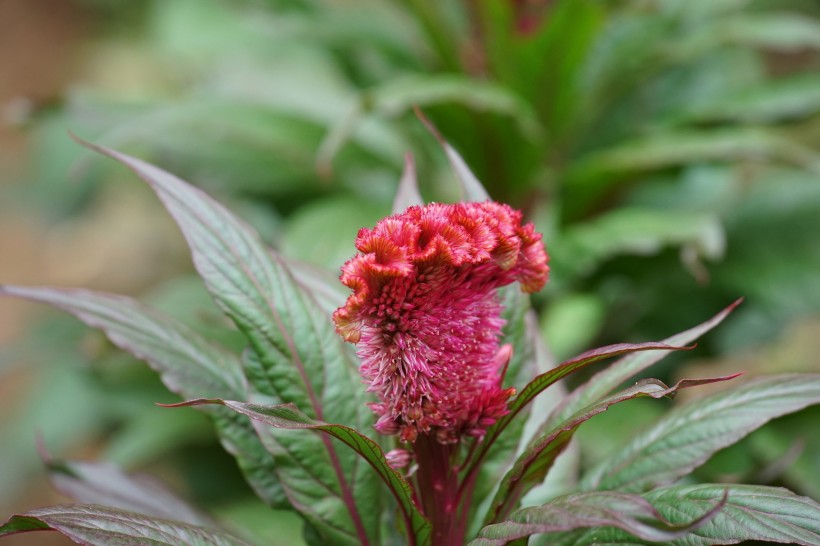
[[299, 358], [309, 476], [605, 381], [631, 513], [108, 485], [686, 437], [287, 416], [471, 189], [94, 525], [778, 31], [598, 173], [532, 466], [751, 512], [787, 98], [541, 382], [407, 193], [544, 380], [188, 364]]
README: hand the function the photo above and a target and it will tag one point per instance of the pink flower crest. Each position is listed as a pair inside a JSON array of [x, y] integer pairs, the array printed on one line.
[[426, 319]]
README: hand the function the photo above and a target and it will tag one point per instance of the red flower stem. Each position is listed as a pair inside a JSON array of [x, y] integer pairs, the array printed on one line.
[[437, 478]]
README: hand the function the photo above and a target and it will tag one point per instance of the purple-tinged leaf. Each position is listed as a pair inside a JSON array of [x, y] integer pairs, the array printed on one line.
[[407, 194], [631, 513], [536, 460], [606, 381], [93, 525], [568, 367], [108, 485], [544, 380], [188, 364], [471, 189], [690, 434], [297, 356], [287, 416], [751, 513]]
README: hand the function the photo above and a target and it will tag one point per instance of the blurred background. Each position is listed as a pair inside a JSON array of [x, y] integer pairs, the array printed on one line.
[[669, 151]]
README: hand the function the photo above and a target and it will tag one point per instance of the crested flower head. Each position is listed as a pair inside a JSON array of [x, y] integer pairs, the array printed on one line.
[[426, 318]]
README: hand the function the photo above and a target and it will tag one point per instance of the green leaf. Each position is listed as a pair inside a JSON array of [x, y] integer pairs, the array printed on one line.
[[787, 99], [296, 355], [552, 61], [751, 512], [497, 450], [309, 474], [441, 32], [637, 231], [769, 30], [471, 188], [407, 193], [621, 371], [108, 485], [687, 436], [93, 525], [630, 513], [544, 380], [187, 363], [595, 174], [239, 146], [259, 467], [532, 466], [420, 90], [287, 416]]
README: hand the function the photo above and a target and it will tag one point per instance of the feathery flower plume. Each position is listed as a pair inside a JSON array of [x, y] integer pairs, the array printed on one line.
[[426, 319]]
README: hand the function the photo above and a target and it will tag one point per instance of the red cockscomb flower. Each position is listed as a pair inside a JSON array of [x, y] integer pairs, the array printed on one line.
[[426, 319]]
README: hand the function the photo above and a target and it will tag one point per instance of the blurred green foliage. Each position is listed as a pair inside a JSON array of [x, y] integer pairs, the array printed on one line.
[[668, 150]]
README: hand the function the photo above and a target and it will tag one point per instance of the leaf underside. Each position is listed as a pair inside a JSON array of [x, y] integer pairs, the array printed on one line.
[[751, 513], [630, 513], [106, 484], [188, 365], [94, 525]]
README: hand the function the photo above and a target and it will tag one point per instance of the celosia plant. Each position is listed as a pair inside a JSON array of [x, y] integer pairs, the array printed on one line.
[[442, 353]]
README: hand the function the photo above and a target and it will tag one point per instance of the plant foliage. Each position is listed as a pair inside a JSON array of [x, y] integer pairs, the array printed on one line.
[[298, 384]]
